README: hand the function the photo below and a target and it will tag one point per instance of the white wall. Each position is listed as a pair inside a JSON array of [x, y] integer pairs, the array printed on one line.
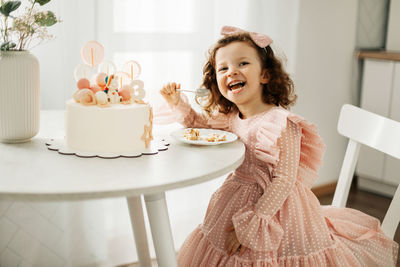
[[325, 45], [393, 37], [278, 19], [59, 57]]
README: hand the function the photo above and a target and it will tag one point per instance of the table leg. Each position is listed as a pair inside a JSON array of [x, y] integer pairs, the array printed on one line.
[[139, 230], [161, 229]]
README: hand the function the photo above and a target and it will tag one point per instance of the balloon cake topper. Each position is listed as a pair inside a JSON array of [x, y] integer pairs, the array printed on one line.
[[106, 85]]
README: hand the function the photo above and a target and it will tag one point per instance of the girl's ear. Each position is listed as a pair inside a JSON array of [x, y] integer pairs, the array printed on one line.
[[265, 76]]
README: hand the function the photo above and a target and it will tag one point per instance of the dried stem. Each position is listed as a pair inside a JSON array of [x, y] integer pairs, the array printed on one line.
[[5, 29], [32, 24]]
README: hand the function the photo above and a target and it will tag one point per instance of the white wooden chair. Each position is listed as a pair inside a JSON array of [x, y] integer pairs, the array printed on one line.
[[366, 128]]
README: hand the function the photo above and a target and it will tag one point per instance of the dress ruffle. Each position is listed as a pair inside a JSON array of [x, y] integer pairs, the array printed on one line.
[[335, 255], [351, 224], [312, 146], [266, 146], [361, 234], [257, 232], [312, 151]]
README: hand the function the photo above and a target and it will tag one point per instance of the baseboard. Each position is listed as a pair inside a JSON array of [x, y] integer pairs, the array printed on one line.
[[377, 187], [323, 190]]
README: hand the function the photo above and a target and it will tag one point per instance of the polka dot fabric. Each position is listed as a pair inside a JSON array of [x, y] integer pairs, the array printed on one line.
[[269, 202]]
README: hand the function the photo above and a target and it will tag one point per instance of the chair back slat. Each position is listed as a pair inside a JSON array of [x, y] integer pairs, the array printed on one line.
[[392, 217], [383, 134], [370, 129], [346, 174]]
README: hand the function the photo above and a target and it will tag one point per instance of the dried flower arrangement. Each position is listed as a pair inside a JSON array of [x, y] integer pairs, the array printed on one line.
[[27, 30]]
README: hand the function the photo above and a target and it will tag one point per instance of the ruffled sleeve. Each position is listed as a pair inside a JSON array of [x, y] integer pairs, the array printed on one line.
[[312, 146], [257, 227], [311, 153], [184, 114]]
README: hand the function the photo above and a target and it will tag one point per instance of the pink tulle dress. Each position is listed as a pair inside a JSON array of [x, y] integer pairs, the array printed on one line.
[[269, 202]]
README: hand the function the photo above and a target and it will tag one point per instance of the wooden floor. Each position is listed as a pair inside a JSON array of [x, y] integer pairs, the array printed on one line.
[[369, 203]]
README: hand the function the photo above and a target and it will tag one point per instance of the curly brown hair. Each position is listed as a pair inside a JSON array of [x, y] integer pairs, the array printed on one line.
[[278, 91]]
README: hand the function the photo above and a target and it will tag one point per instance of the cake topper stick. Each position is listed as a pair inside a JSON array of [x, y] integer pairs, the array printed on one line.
[[83, 71], [123, 78], [108, 67], [92, 53], [133, 68]]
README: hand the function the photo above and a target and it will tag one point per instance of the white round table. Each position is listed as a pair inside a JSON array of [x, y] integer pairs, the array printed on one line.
[[29, 171]]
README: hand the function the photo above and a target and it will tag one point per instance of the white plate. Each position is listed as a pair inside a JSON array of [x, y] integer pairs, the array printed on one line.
[[178, 135]]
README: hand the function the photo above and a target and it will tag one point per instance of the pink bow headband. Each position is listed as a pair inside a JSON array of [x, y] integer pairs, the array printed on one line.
[[261, 40]]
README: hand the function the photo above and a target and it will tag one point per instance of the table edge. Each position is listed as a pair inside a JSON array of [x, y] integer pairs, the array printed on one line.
[[56, 196]]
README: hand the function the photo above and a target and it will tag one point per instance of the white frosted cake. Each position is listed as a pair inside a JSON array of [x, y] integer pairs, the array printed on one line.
[[107, 113], [115, 129]]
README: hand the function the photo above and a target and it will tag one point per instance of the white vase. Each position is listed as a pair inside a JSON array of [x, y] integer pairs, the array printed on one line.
[[19, 96]]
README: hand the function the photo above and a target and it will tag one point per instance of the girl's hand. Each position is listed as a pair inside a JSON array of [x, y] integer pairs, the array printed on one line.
[[232, 243], [170, 94]]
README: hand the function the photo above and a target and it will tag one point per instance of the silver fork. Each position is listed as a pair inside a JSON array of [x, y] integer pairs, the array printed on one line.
[[198, 92]]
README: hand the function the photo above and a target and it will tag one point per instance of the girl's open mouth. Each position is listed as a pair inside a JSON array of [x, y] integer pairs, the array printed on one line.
[[236, 86]]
